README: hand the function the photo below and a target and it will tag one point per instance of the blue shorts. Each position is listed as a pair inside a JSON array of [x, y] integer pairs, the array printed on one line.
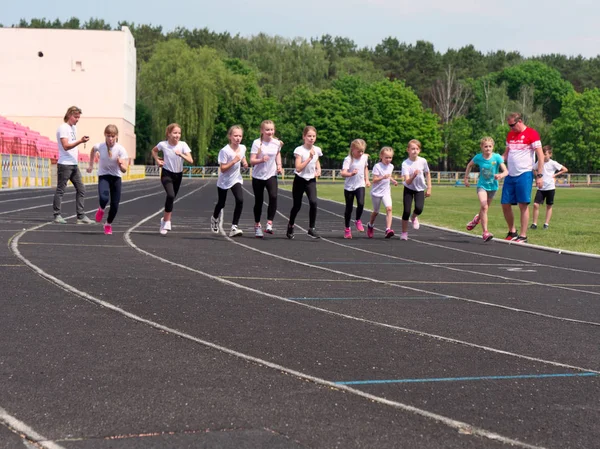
[[517, 189]]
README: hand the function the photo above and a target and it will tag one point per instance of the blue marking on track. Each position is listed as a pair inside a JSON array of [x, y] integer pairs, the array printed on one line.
[[462, 379]]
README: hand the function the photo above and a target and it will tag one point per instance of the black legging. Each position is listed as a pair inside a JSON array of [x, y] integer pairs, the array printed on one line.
[[300, 186], [171, 182], [258, 187], [359, 194], [408, 196], [238, 194], [109, 186]]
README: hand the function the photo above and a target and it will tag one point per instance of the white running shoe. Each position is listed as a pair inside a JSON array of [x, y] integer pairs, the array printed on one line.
[[163, 230], [214, 224], [235, 231]]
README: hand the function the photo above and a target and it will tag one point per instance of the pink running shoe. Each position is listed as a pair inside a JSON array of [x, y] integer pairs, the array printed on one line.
[[347, 233], [404, 236], [359, 226], [370, 231], [415, 222], [487, 236], [99, 215], [474, 222], [107, 229], [389, 233]]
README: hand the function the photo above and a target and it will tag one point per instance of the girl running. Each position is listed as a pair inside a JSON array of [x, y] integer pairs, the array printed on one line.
[[308, 169], [231, 157], [356, 171], [172, 169], [415, 171], [381, 192], [265, 158], [112, 163]]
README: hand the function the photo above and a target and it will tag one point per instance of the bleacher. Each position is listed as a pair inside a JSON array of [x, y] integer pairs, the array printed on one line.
[[21, 140]]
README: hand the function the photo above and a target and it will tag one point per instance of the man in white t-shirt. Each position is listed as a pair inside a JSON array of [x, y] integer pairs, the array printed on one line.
[[67, 168]]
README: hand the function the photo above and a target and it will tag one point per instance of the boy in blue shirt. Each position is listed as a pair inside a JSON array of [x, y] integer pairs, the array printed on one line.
[[487, 183]]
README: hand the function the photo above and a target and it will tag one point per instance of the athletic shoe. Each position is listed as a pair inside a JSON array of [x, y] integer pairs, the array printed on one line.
[[313, 233], [546, 226], [347, 233], [235, 231], [258, 233], [99, 215], [60, 220], [168, 225], [370, 231], [404, 236], [511, 236], [487, 236], [474, 222], [415, 222], [389, 233], [162, 231], [214, 224], [269, 228], [521, 239], [84, 220], [290, 231], [359, 226], [533, 226], [107, 229]]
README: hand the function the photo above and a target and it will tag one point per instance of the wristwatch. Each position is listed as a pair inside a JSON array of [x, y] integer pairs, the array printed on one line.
[[539, 175]]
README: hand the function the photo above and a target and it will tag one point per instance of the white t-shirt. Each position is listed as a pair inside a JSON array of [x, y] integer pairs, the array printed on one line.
[[109, 165], [358, 180], [309, 171], [173, 162], [67, 157], [550, 168], [265, 170], [382, 188], [409, 167], [227, 179]]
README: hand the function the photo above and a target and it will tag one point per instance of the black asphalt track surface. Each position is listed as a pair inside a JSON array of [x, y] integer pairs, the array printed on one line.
[[197, 340]]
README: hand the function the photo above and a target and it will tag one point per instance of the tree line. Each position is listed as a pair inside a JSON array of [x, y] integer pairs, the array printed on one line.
[[387, 95]]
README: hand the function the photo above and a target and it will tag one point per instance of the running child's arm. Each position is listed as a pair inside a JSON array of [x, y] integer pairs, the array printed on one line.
[[379, 178], [409, 179], [186, 156], [244, 162], [91, 167], [158, 160], [318, 169], [428, 178], [278, 158], [367, 183], [467, 171], [299, 165], [123, 164], [225, 166], [504, 173]]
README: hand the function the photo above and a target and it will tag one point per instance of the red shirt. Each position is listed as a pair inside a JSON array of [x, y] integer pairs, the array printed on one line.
[[521, 149]]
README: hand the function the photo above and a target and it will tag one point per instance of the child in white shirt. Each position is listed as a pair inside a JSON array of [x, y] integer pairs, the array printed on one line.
[[381, 192]]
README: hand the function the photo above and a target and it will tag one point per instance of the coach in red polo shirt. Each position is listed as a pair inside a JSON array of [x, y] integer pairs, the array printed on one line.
[[522, 143]]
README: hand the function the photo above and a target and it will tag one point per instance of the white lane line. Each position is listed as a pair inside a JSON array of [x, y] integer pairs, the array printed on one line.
[[27, 431]]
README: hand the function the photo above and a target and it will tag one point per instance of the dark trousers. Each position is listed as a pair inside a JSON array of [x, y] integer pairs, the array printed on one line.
[[409, 195], [300, 187], [109, 187], [349, 195], [171, 182], [64, 174], [238, 194], [258, 187]]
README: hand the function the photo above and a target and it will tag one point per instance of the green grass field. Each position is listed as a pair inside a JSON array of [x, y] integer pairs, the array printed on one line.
[[575, 223]]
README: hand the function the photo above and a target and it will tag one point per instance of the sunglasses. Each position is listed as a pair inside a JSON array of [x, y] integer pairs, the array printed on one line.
[[513, 124]]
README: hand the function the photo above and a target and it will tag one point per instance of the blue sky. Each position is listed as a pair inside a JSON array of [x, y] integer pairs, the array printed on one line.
[[531, 27]]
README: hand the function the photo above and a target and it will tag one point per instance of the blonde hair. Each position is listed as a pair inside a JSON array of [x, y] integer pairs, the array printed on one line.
[[307, 129], [170, 128], [234, 127], [71, 111], [113, 131], [265, 123], [359, 144], [386, 150], [486, 139], [416, 142]]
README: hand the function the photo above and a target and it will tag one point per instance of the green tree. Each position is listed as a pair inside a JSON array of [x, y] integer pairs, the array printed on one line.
[[576, 135], [143, 133]]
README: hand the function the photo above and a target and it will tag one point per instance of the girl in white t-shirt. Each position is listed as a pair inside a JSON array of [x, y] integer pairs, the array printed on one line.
[[172, 169], [265, 158], [417, 186], [381, 192], [231, 158], [355, 169], [113, 160], [308, 169]]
